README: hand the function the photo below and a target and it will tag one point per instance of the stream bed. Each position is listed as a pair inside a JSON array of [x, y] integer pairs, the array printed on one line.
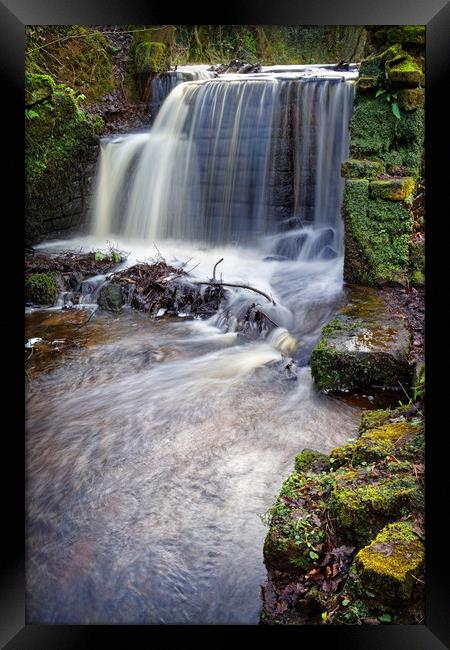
[[155, 446]]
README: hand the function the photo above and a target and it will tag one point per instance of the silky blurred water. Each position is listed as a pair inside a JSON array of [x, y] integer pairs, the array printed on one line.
[[150, 456], [155, 446]]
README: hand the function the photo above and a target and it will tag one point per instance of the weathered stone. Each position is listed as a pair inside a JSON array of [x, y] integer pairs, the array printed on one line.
[[363, 348], [111, 297], [367, 83], [391, 563], [393, 189], [355, 168]]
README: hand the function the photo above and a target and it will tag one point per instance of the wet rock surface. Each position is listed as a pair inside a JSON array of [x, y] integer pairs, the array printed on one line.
[[364, 347]]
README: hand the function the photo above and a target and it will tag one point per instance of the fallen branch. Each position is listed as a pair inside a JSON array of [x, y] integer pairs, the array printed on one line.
[[237, 286]]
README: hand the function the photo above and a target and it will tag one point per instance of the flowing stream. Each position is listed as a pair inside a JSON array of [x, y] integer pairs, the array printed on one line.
[[154, 446]]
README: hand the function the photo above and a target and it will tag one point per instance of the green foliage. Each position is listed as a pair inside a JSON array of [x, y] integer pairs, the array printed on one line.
[[59, 131], [76, 56]]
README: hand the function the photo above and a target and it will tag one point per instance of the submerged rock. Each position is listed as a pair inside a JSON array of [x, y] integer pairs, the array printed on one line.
[[362, 348]]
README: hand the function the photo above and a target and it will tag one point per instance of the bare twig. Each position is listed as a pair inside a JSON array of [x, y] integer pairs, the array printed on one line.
[[237, 286], [214, 270]]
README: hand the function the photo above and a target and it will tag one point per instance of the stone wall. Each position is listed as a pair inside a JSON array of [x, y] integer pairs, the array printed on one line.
[[68, 207], [385, 167]]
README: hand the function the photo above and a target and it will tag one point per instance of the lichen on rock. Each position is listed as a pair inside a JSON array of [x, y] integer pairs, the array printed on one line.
[[390, 563]]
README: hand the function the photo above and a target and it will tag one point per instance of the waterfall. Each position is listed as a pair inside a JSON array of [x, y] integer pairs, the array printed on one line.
[[234, 159], [165, 82]]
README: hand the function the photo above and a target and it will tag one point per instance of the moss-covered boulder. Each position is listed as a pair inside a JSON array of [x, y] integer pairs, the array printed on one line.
[[393, 189], [341, 537], [41, 288], [362, 348], [111, 297], [391, 438], [389, 566]]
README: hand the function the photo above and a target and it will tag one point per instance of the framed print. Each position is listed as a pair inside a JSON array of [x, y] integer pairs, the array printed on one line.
[[227, 281]]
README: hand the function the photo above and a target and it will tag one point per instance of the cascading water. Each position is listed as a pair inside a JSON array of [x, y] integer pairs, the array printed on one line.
[[155, 446], [165, 82], [231, 160]]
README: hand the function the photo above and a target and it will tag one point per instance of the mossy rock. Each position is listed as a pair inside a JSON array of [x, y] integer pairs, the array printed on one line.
[[111, 297], [410, 99], [296, 531], [376, 418], [376, 444], [393, 189], [390, 565], [367, 83], [403, 71], [41, 289], [363, 505], [356, 353], [312, 460], [355, 168]]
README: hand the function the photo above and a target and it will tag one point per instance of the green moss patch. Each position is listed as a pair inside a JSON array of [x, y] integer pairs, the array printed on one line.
[[363, 504], [313, 461], [355, 168], [296, 531], [56, 129]]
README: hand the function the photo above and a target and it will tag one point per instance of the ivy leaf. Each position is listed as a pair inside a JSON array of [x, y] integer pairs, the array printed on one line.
[[313, 555], [324, 616], [396, 110], [32, 114], [345, 602], [380, 91], [385, 618]]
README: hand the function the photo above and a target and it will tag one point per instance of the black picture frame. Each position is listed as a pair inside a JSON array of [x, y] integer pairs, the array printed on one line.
[[14, 15]]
